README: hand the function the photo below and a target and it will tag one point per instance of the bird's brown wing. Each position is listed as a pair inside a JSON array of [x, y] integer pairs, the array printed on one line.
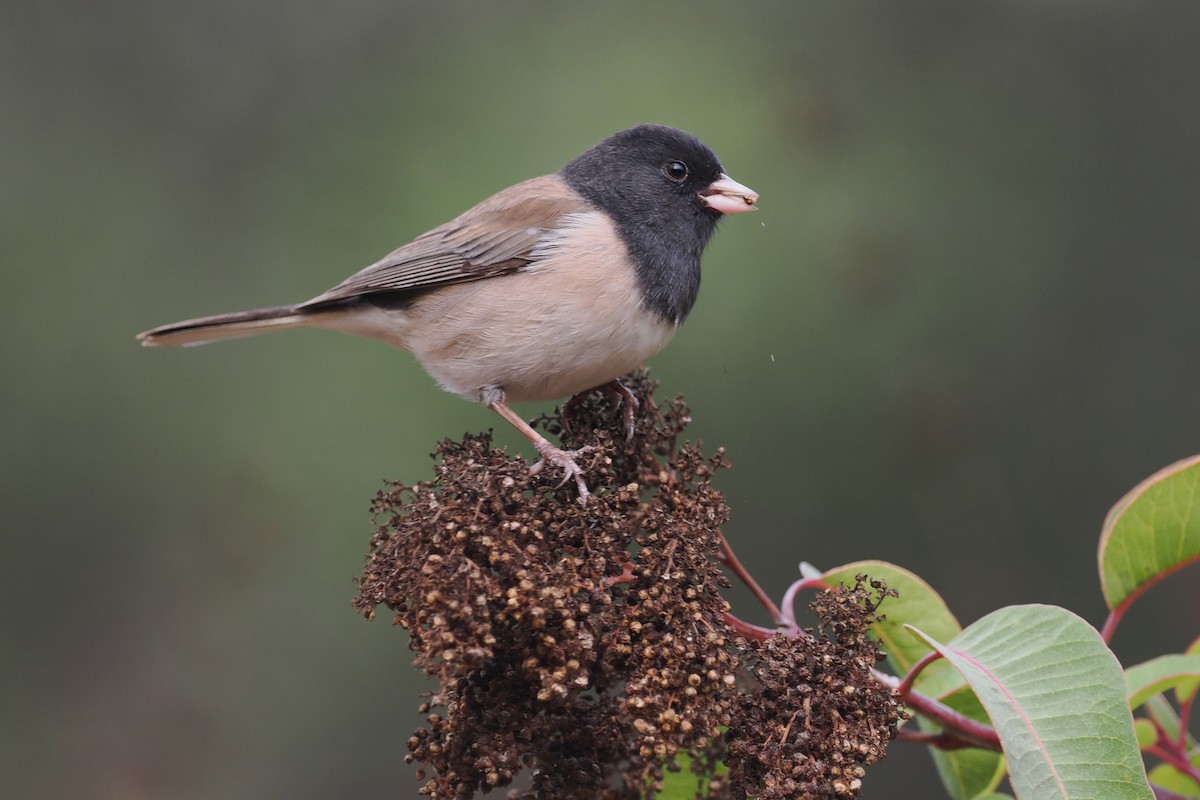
[[495, 237]]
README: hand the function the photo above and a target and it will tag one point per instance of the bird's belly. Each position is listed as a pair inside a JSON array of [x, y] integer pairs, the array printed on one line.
[[533, 345]]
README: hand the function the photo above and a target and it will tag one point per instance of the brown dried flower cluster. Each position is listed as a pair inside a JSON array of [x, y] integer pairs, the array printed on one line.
[[816, 717], [585, 647]]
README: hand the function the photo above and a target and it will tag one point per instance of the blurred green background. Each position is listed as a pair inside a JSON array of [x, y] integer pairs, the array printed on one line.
[[962, 325]]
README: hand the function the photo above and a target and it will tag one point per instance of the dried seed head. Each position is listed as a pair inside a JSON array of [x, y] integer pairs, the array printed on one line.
[[587, 646]]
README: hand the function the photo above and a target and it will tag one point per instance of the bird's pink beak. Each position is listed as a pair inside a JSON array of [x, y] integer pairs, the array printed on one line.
[[728, 196]]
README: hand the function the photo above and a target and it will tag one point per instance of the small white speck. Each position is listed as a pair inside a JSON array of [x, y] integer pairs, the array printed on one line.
[[772, 358], [763, 224]]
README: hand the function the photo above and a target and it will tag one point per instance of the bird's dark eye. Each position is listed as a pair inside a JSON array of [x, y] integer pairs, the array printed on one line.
[[676, 171]]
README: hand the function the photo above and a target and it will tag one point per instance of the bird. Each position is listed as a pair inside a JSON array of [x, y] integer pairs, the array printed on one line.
[[551, 288]]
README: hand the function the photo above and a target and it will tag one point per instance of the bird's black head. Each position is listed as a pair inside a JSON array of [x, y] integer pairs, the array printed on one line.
[[666, 191]]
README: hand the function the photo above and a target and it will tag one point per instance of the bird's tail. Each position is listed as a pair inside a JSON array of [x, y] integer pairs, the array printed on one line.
[[225, 326]]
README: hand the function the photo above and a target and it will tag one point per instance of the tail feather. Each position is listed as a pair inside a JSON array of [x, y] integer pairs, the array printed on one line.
[[225, 326]]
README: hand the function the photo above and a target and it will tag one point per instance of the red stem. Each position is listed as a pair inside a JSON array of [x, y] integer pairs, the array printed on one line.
[[1185, 713], [1114, 616], [1171, 751], [974, 733], [729, 559], [789, 597], [941, 740], [752, 631], [1159, 730], [905, 687], [1114, 619], [1179, 762], [956, 725]]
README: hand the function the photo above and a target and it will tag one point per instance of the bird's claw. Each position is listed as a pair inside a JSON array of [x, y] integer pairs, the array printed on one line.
[[631, 406], [564, 460], [619, 393]]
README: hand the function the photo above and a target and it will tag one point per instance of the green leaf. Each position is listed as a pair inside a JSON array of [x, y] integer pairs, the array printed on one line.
[[1151, 532], [1160, 674], [1057, 698], [684, 784], [1187, 689], [1145, 732], [1173, 780], [968, 773]]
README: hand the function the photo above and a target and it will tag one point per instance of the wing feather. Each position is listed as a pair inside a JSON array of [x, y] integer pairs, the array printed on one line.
[[497, 236]]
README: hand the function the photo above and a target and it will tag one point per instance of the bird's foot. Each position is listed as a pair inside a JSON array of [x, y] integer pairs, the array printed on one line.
[[630, 403], [564, 460], [617, 392]]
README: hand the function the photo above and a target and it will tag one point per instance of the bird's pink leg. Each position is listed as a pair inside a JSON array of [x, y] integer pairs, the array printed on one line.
[[564, 459]]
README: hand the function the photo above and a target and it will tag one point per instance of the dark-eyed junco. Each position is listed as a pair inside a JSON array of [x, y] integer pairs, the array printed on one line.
[[547, 289]]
